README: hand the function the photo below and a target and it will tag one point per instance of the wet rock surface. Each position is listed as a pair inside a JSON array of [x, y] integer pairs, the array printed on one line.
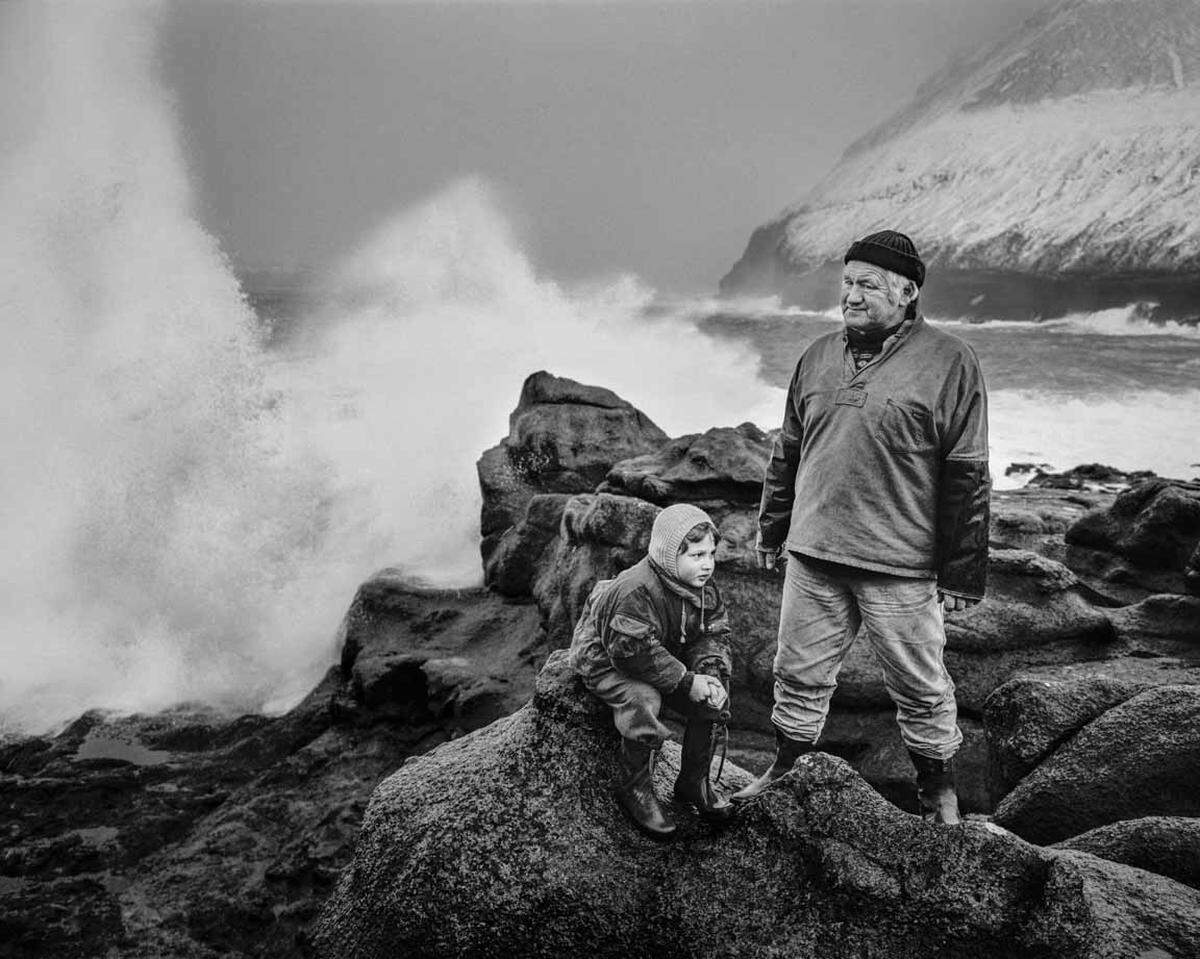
[[1137, 758], [1144, 543], [509, 835], [192, 834], [721, 467], [1167, 845], [563, 437]]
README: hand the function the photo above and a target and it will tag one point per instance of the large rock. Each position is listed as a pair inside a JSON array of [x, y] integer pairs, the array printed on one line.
[[414, 654], [1143, 543], [1049, 174], [1035, 518], [1036, 613], [1139, 758], [1167, 845], [187, 833], [1027, 719], [509, 839], [723, 466], [563, 437], [522, 550], [600, 535], [1160, 625]]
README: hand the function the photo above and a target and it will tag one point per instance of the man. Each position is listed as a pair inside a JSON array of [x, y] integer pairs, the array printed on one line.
[[878, 489]]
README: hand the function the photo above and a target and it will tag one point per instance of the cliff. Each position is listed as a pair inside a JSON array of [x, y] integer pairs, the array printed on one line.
[[1055, 171]]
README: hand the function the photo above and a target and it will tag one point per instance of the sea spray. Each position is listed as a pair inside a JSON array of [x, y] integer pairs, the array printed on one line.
[[149, 521], [187, 514], [411, 366]]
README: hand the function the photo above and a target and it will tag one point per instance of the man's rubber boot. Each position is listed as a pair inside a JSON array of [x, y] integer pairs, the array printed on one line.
[[935, 789], [695, 762], [787, 751], [635, 790]]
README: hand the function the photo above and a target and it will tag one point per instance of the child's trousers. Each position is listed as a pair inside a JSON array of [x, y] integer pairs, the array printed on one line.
[[636, 705]]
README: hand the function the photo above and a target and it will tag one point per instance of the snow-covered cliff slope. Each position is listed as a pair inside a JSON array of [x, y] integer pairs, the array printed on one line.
[[1065, 160]]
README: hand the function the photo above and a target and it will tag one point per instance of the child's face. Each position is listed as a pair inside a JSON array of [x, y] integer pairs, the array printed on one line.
[[696, 563]]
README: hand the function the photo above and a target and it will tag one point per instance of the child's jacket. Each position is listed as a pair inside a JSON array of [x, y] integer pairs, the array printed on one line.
[[650, 627]]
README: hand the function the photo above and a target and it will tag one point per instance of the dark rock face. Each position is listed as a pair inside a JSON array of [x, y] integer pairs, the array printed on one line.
[[509, 836], [1144, 543], [415, 655], [513, 564], [191, 834], [1027, 719], [1089, 476], [184, 833], [563, 438], [1169, 846], [600, 535], [1031, 600], [1139, 758], [722, 467]]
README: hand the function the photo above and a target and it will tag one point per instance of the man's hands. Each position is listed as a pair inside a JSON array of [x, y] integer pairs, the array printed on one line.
[[767, 556], [954, 603], [707, 689]]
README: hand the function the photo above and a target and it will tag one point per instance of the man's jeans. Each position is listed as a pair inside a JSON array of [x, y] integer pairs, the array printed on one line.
[[823, 606]]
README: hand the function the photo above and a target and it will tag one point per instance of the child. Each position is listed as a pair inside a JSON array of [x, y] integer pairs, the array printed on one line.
[[658, 633]]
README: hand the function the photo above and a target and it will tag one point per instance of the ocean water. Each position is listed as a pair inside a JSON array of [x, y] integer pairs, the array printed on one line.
[[197, 476], [1110, 387]]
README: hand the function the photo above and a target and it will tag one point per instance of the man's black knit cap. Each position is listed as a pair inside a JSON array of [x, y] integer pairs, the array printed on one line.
[[890, 250]]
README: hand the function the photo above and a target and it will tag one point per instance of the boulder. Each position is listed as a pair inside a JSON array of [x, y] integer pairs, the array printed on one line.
[[414, 655], [509, 838], [1036, 613], [520, 551], [1136, 759], [600, 535], [1027, 719], [1167, 845], [1143, 543], [563, 438], [1031, 601], [1089, 476], [1035, 518], [1160, 625], [723, 466]]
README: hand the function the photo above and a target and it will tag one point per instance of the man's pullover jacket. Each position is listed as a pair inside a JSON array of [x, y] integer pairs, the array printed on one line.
[[885, 468]]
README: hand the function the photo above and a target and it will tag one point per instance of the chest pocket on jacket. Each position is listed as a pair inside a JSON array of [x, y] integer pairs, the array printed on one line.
[[906, 429]]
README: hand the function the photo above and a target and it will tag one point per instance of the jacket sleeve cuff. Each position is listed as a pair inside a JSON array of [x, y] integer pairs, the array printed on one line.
[[684, 685], [960, 594]]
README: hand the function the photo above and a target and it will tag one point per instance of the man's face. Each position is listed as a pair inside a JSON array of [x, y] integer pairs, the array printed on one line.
[[696, 563], [868, 302]]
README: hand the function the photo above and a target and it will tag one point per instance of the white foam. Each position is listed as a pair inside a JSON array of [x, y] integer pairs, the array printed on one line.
[[1153, 430], [1133, 319], [412, 366], [185, 517]]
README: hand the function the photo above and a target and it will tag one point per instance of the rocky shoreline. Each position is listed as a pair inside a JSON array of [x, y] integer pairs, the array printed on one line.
[[190, 834]]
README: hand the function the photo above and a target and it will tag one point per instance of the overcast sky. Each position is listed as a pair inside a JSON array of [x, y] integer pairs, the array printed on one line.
[[624, 136]]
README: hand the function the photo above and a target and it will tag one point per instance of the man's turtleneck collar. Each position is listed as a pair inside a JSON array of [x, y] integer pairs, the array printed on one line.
[[871, 339]]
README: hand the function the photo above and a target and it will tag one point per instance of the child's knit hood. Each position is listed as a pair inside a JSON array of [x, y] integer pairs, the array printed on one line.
[[666, 536]]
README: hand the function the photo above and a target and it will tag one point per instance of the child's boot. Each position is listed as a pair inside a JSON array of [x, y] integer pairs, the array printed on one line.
[[935, 789], [695, 762], [635, 790], [787, 751]]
